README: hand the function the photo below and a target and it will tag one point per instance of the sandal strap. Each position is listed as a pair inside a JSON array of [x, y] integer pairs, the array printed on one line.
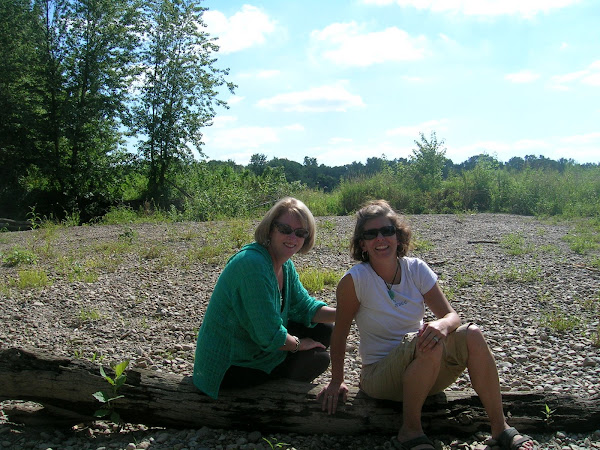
[[506, 439]]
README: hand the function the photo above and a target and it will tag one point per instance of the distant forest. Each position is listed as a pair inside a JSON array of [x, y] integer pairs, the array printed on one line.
[[79, 77]]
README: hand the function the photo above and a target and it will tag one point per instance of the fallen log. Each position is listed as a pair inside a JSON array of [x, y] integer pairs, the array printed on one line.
[[64, 388], [14, 225]]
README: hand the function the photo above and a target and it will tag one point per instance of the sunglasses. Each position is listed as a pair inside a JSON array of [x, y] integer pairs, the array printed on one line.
[[284, 228], [372, 233]]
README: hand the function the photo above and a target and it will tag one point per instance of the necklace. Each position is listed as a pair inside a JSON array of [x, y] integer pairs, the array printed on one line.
[[389, 287]]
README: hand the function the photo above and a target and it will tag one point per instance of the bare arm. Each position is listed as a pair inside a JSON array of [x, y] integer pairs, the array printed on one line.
[[347, 307], [325, 314], [447, 319]]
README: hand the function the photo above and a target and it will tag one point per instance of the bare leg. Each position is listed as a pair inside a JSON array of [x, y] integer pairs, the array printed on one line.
[[484, 377], [418, 380]]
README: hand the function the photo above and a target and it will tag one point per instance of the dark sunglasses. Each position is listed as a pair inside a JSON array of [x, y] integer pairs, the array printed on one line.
[[372, 233], [284, 228]]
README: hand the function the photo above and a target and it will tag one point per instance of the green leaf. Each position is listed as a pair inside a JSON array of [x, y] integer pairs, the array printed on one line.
[[106, 377], [115, 417], [102, 397], [120, 368], [120, 381], [102, 413]]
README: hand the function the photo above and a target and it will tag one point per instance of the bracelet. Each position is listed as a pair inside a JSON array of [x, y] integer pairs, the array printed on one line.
[[297, 344]]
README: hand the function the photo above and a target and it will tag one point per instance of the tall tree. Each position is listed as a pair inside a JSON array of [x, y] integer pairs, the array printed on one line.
[[178, 89], [427, 162]]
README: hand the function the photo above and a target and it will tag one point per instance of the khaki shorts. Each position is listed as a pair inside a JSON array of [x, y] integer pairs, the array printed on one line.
[[383, 379]]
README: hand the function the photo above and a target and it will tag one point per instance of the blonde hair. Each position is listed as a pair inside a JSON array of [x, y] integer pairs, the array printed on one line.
[[372, 210], [262, 234]]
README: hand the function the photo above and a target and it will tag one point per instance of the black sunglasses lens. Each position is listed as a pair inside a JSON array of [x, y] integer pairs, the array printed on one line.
[[373, 232], [388, 231], [283, 228], [301, 233], [286, 229], [370, 234]]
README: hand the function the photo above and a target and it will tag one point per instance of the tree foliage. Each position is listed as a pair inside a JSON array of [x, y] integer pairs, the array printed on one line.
[[177, 92]]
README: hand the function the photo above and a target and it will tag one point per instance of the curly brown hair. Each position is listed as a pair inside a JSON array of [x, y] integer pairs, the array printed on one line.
[[372, 210]]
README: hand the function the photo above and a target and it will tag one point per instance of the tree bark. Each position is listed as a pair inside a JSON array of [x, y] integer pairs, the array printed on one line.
[[64, 388]]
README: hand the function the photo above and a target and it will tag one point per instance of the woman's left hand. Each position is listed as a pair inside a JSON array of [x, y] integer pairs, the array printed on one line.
[[430, 335], [331, 394], [308, 344]]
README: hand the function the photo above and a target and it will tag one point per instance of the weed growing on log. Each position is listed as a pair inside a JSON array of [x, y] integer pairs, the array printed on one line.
[[548, 413], [276, 444], [107, 398]]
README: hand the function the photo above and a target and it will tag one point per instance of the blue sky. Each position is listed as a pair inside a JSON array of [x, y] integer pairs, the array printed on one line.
[[345, 80]]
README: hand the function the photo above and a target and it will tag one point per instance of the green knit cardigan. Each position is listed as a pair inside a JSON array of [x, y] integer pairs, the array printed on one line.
[[245, 323]]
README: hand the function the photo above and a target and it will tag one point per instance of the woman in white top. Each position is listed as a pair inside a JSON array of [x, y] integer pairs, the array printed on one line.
[[405, 359]]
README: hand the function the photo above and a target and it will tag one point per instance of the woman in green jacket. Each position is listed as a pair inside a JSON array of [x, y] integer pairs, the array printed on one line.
[[261, 323]]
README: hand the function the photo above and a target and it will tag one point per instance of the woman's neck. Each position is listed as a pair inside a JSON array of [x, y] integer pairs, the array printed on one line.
[[387, 269]]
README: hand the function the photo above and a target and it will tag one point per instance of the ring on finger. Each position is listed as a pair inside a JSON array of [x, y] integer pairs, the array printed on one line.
[[436, 339]]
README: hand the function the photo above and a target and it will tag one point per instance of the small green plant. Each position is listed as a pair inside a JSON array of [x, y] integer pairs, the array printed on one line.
[[548, 414], [89, 315], [276, 444], [18, 256], [32, 279], [515, 244], [315, 279], [108, 398], [595, 337], [560, 322]]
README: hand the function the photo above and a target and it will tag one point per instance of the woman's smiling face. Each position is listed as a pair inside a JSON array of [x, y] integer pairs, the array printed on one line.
[[381, 246], [284, 246]]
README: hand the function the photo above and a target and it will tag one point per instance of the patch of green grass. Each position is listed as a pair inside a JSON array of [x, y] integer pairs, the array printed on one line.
[[18, 256], [316, 279], [89, 315], [422, 245], [207, 253], [514, 244], [523, 274], [595, 337], [584, 238], [560, 322], [34, 278]]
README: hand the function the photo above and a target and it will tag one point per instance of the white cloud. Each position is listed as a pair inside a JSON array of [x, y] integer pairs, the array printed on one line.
[[413, 131], [583, 139], [524, 76], [294, 127], [268, 73], [221, 121], [240, 138], [348, 44], [319, 99], [246, 28], [482, 8], [589, 76], [339, 141], [234, 99]]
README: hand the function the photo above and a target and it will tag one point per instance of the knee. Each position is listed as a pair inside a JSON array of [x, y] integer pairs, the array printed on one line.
[[475, 338]]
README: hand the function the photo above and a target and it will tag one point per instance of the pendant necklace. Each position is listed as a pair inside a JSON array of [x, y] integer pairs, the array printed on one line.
[[389, 287]]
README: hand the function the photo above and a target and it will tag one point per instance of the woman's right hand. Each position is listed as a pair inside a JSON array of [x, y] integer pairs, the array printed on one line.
[[331, 394]]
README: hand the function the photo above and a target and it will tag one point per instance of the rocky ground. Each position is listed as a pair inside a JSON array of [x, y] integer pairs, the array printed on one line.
[[138, 292]]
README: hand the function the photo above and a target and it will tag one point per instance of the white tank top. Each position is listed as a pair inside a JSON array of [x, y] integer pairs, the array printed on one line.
[[382, 321]]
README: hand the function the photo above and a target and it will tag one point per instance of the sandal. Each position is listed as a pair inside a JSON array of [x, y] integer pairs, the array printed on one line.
[[505, 440], [412, 443]]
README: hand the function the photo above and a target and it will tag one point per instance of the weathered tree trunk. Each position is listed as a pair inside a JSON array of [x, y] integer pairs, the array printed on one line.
[[65, 389], [14, 225]]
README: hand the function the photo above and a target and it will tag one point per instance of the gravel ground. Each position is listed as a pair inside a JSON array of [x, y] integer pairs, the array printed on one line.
[[139, 292]]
